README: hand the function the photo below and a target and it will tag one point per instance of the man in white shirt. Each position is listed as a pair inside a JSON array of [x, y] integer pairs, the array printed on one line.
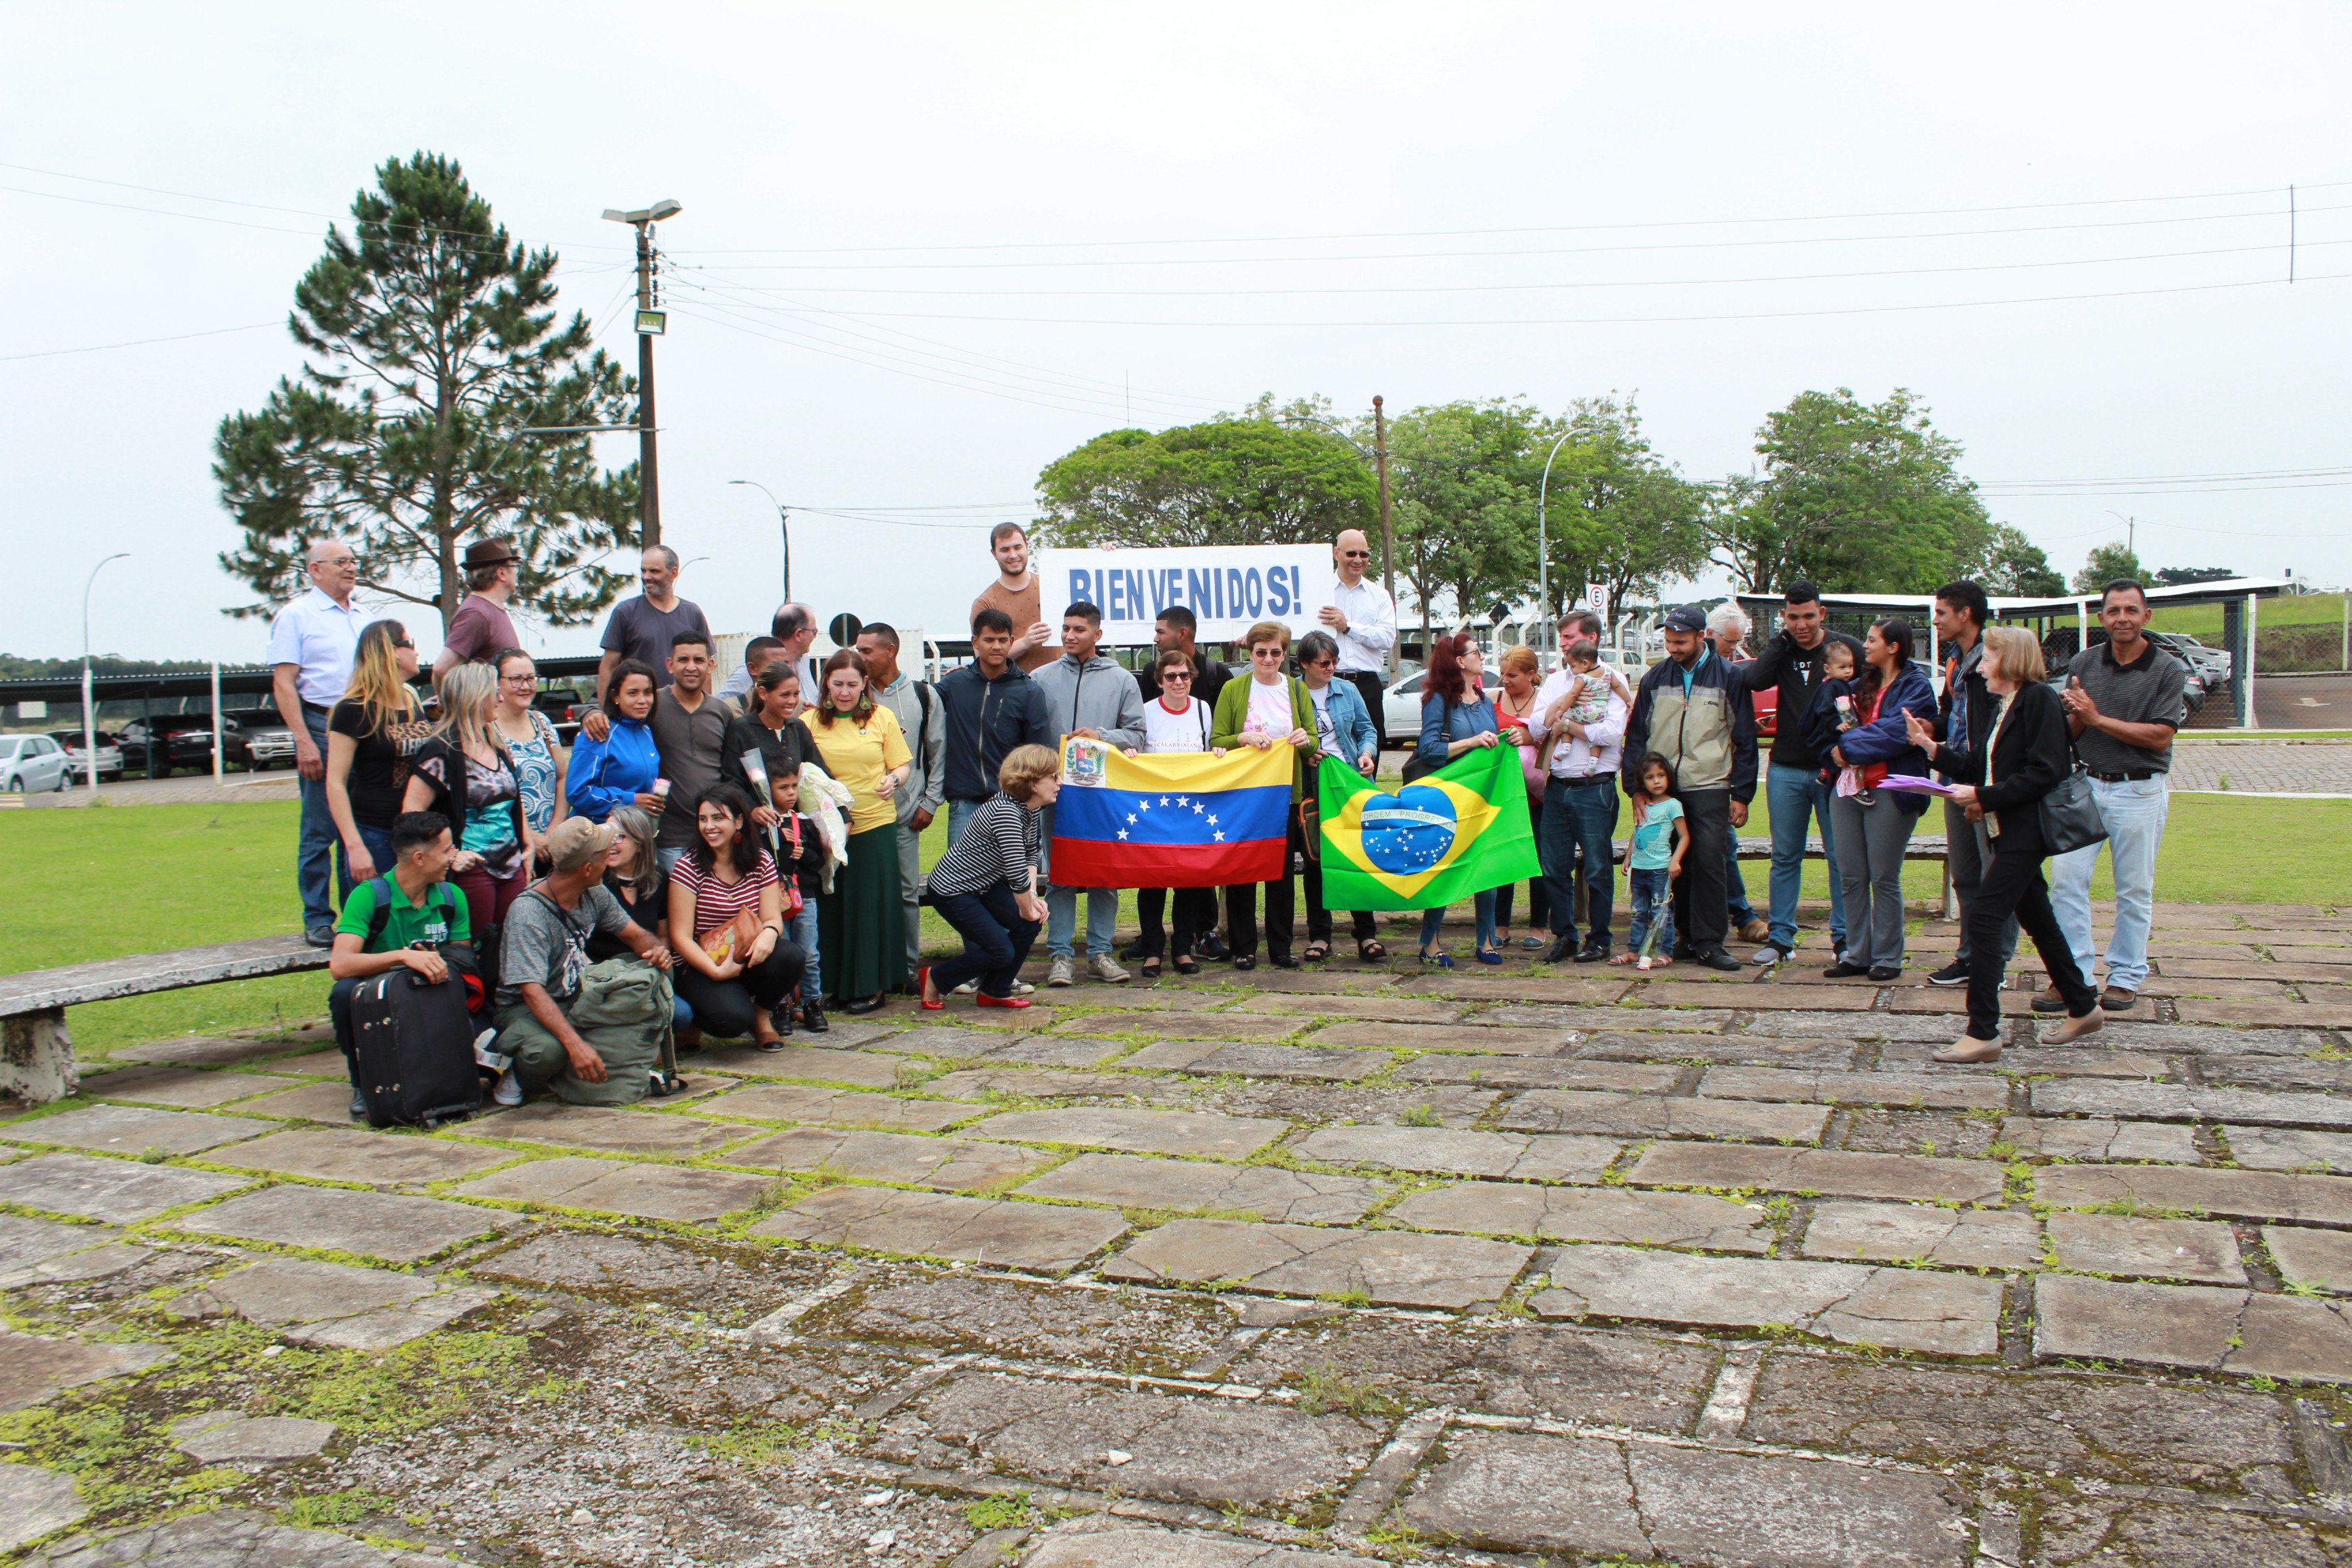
[[794, 626], [312, 642], [1362, 618], [1579, 804]]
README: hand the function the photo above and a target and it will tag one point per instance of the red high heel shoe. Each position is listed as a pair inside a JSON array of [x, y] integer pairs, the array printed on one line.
[[923, 991]]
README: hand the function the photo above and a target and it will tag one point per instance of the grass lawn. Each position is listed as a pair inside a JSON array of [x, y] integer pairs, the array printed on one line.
[[2203, 622], [90, 884]]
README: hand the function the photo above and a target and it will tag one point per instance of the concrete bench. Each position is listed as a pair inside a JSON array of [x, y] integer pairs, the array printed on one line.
[[36, 1055]]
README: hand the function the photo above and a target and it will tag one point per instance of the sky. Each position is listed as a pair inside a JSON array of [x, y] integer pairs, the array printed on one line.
[[928, 249]]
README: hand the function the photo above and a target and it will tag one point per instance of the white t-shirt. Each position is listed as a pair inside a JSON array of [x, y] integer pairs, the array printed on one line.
[[1269, 707], [1170, 729], [1327, 734]]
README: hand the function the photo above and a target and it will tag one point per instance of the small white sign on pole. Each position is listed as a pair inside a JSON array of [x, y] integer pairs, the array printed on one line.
[[1596, 599], [1228, 590]]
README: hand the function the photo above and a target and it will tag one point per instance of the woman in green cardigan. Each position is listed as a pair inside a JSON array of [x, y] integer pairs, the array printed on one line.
[[1269, 708]]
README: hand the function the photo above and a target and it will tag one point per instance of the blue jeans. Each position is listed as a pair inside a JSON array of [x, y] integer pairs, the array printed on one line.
[[316, 859], [996, 940], [1062, 920], [1798, 799], [1434, 921], [1651, 892], [2134, 811], [959, 813], [379, 848], [801, 929], [1579, 819]]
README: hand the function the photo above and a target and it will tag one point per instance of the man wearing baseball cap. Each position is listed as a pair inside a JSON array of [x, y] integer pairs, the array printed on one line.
[[480, 629], [1693, 710], [543, 954]]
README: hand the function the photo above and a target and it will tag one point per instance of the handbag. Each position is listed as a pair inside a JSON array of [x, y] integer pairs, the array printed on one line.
[[1417, 766], [724, 941], [2070, 815]]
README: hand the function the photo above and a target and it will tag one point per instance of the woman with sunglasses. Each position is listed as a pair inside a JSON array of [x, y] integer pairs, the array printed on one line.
[[1270, 709], [376, 725], [1343, 729]]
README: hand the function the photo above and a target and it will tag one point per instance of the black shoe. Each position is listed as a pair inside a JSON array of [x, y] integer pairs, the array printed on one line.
[[1593, 951], [2048, 1002], [359, 1106], [1210, 947], [1133, 951], [1842, 970], [1684, 951], [1246, 961], [813, 1017], [865, 1003], [1560, 949], [1953, 973], [1716, 958], [781, 1017], [1283, 961], [319, 936], [1882, 973]]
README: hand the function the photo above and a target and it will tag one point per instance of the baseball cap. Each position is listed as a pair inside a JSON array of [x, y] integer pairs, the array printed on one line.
[[575, 841], [1685, 618]]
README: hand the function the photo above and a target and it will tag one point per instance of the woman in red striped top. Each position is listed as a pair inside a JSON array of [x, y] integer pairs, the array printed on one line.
[[724, 894]]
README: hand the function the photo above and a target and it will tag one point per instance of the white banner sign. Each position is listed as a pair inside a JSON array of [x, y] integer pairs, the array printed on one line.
[[1229, 590]]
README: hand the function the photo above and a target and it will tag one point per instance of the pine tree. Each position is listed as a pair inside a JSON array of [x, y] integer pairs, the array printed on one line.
[[430, 341]]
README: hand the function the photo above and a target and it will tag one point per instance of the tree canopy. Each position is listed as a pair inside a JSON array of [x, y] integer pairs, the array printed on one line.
[[2105, 563], [1235, 480], [430, 341]]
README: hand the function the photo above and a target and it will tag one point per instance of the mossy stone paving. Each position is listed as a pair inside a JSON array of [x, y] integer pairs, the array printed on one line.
[[1258, 1270]]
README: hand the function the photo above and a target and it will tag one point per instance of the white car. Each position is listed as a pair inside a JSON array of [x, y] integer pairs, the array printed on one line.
[[1400, 707], [109, 755], [29, 762]]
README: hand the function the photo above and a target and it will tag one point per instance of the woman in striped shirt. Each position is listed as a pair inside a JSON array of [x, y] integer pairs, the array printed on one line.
[[724, 896], [986, 884]]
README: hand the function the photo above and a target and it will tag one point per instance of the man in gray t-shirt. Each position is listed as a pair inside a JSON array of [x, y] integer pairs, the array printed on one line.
[[645, 628], [2124, 701]]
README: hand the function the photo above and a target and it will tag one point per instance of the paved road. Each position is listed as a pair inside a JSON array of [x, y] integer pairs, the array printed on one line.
[[242, 789], [2305, 702], [2264, 767]]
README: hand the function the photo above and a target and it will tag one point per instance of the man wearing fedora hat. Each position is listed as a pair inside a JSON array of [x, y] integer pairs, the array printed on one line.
[[480, 628]]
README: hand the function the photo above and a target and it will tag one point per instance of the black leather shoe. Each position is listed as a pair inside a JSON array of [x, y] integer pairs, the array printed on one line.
[[1683, 953], [1560, 949], [1246, 961], [813, 1017], [1284, 960], [1592, 953], [865, 1003], [1842, 970], [779, 1017], [1716, 958], [1882, 973]]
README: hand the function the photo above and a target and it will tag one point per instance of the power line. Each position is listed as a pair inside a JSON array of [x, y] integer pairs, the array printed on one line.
[[140, 343]]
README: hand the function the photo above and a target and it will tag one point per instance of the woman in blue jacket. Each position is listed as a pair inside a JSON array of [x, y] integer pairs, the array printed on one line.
[[1873, 826], [620, 769], [1456, 716], [1343, 730]]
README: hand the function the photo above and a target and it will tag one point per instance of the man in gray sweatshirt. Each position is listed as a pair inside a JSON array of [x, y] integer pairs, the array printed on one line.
[[1087, 694]]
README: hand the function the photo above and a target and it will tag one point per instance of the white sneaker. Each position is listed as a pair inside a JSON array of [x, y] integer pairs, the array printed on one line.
[[1062, 971], [509, 1088], [1103, 966], [485, 1056], [968, 988], [1020, 988]]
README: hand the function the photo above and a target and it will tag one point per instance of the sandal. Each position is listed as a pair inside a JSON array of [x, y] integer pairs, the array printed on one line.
[[1316, 951], [1186, 964], [1621, 960], [1368, 949]]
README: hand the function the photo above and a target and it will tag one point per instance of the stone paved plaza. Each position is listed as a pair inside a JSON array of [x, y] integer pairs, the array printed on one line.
[[1284, 1269]]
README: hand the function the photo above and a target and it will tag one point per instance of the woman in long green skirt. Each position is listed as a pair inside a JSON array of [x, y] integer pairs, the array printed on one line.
[[861, 924]]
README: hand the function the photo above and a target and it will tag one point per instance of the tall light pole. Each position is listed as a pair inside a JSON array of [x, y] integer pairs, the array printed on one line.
[[1379, 457], [651, 324], [1543, 552], [2131, 531], [783, 522], [88, 707]]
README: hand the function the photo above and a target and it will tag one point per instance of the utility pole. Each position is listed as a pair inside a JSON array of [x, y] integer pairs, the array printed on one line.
[[651, 323], [1388, 529]]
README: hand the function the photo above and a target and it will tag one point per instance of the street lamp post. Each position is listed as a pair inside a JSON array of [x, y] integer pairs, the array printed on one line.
[[1379, 457], [88, 707], [651, 324], [783, 523], [1543, 551]]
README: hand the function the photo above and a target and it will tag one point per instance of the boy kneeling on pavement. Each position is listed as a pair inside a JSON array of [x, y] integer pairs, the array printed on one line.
[[544, 957], [416, 913]]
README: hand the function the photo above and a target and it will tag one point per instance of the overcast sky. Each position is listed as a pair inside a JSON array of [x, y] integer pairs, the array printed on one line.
[[926, 249]]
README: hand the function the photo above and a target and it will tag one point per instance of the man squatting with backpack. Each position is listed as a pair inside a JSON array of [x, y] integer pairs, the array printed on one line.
[[404, 918]]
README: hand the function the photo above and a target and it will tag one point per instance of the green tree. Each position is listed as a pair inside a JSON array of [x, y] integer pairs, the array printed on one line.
[[1234, 479], [1462, 484], [2014, 566], [1857, 497], [1617, 512], [430, 341], [2106, 562]]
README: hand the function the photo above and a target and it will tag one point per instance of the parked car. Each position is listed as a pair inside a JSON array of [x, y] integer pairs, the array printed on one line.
[[184, 741], [268, 743], [2213, 664], [1400, 707], [1768, 701], [109, 755], [29, 762], [564, 705]]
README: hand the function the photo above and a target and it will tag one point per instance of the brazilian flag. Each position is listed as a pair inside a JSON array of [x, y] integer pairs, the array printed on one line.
[[1458, 831]]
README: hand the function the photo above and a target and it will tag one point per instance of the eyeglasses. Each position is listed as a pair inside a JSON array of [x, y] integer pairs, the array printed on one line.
[[1168, 675], [519, 679], [337, 561], [1321, 663], [1266, 653]]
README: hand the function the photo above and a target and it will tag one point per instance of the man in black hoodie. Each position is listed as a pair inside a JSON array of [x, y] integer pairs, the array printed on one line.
[[1791, 662], [990, 706]]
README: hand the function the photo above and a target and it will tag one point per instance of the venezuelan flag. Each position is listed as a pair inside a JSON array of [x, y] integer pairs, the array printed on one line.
[[1169, 819], [1458, 831]]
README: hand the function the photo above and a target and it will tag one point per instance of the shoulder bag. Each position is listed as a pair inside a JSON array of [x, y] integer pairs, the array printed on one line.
[[2070, 815]]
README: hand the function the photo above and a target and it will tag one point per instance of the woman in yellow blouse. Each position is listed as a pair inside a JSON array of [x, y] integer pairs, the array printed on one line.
[[861, 924]]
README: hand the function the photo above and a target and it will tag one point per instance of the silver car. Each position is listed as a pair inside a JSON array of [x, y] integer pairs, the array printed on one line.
[[268, 743], [1400, 707], [30, 762], [110, 754]]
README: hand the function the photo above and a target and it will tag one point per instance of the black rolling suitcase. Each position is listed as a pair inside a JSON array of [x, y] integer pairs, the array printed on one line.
[[416, 1044]]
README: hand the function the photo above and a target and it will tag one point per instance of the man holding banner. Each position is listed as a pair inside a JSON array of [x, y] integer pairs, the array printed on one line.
[[1086, 695]]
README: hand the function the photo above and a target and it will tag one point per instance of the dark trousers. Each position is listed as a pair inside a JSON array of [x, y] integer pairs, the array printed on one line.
[[1196, 912], [1368, 683], [996, 940], [339, 1010], [1538, 891], [1964, 848], [1318, 918], [2012, 886], [726, 1007], [1579, 819], [1281, 903], [1702, 914]]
